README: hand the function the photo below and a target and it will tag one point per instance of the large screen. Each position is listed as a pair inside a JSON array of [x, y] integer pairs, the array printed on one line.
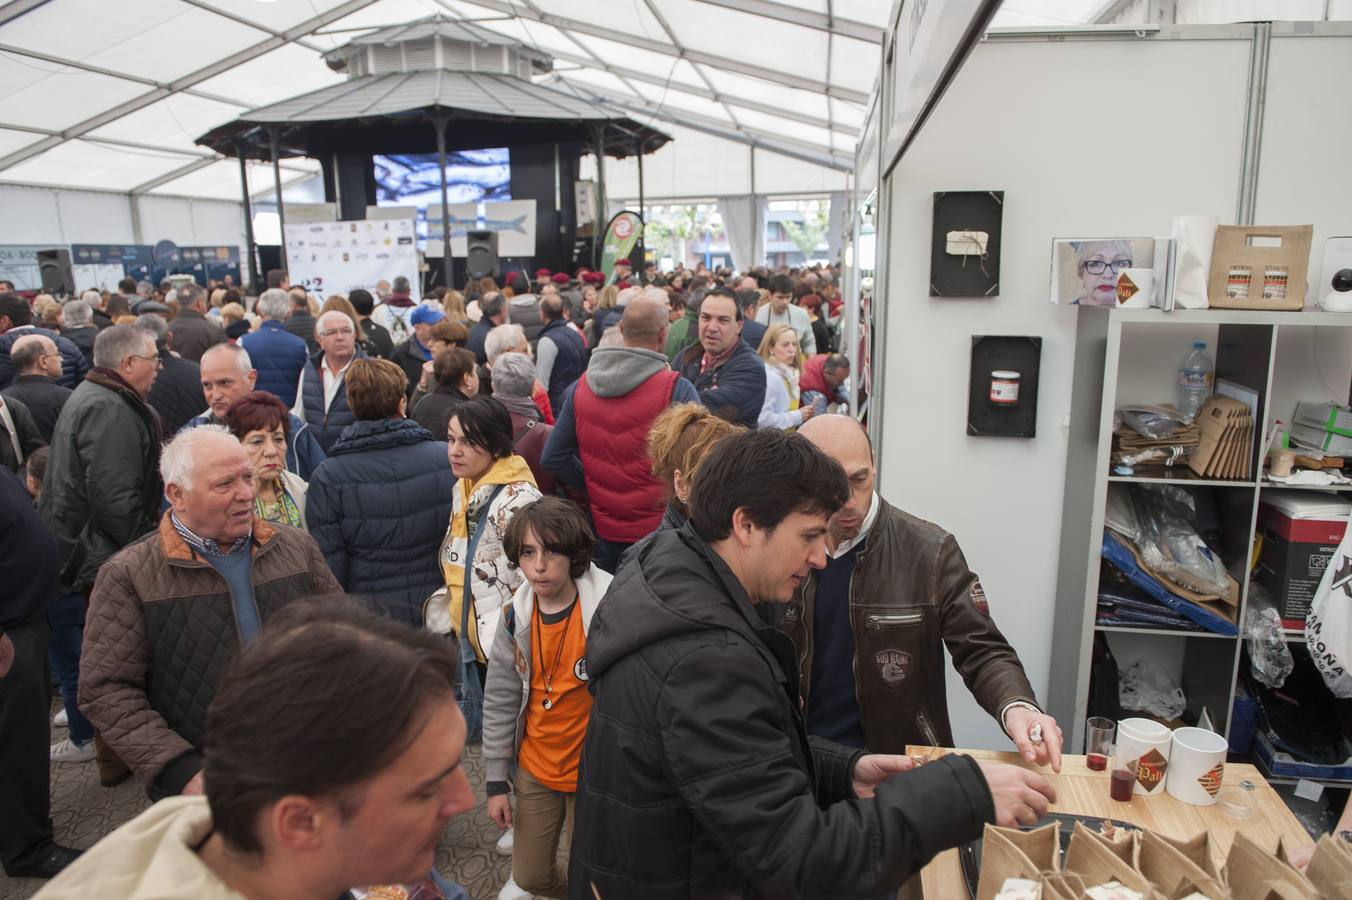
[[472, 176]]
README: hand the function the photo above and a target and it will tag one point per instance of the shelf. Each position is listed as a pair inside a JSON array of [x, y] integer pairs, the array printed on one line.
[[1163, 632], [1183, 476], [1220, 316], [1336, 488]]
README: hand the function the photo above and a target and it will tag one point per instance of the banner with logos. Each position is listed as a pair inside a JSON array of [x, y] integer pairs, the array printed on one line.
[[337, 257], [621, 236]]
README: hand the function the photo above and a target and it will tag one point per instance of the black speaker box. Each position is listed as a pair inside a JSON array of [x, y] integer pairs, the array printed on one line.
[[481, 254], [57, 275]]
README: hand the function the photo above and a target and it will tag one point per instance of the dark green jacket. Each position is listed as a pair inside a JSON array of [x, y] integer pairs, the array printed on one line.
[[102, 489], [683, 332]]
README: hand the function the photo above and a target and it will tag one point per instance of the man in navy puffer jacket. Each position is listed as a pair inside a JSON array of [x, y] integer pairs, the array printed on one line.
[[278, 356], [380, 504]]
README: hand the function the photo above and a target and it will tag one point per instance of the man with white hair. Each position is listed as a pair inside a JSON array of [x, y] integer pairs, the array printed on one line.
[[511, 338], [168, 612], [79, 328], [321, 394], [278, 355], [39, 365], [226, 375], [193, 332]]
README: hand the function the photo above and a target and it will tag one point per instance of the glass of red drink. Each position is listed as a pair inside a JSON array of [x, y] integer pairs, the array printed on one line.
[[1122, 776], [1098, 742]]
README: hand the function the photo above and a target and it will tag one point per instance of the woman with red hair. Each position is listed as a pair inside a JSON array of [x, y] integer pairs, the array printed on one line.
[[261, 423]]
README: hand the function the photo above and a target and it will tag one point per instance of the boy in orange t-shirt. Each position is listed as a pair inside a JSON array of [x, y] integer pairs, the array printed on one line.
[[536, 702]]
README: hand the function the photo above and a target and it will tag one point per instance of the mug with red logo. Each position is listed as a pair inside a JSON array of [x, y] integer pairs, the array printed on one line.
[[1150, 742]]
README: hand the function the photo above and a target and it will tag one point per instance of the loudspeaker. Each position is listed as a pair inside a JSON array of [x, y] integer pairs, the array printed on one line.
[[481, 254], [57, 275]]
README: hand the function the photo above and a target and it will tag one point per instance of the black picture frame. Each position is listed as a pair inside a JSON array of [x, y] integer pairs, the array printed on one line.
[[968, 275], [1018, 353]]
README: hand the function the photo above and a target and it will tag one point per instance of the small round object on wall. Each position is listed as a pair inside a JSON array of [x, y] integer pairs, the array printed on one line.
[[1004, 388]]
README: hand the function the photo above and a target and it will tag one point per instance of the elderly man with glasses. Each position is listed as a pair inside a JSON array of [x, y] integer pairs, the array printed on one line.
[[321, 395], [39, 365], [102, 490]]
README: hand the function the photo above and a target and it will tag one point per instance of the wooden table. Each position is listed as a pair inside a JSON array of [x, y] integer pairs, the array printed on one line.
[[1083, 792]]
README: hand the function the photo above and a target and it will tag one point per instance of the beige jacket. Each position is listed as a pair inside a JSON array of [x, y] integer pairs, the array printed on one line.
[[149, 858]]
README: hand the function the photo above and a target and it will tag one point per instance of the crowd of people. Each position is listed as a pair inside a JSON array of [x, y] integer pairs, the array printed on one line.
[[287, 560]]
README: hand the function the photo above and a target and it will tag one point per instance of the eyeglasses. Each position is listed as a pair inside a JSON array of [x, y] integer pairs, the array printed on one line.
[[1096, 266], [159, 363]]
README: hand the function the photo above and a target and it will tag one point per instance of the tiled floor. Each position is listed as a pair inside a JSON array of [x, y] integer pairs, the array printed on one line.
[[83, 812]]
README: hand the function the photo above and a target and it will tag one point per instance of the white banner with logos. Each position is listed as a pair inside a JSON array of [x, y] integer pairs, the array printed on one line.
[[337, 257]]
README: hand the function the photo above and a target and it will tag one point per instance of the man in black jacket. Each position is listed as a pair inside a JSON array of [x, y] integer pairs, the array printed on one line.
[[177, 392], [728, 374], [697, 776], [28, 566], [377, 335], [38, 363], [193, 332]]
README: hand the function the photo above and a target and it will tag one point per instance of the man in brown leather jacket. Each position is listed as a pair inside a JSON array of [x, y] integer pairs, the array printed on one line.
[[871, 626]]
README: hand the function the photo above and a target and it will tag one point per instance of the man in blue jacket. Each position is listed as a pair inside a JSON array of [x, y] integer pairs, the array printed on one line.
[[728, 375], [227, 375], [16, 321], [278, 355]]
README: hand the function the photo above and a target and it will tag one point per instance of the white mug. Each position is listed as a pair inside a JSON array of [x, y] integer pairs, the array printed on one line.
[[1139, 283], [1197, 765], [1150, 741]]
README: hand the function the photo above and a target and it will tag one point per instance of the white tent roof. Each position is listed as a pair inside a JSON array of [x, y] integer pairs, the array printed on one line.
[[112, 96]]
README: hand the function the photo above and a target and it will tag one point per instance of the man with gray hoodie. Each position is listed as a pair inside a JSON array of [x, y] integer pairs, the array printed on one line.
[[600, 436]]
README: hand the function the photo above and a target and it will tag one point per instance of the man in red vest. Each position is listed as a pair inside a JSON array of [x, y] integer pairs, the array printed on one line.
[[600, 437]]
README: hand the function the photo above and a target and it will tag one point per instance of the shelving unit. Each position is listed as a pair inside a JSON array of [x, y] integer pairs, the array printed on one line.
[[1131, 356]]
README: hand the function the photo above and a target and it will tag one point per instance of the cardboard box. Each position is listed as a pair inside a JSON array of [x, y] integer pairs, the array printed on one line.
[[1327, 417], [1246, 274], [1328, 442], [1301, 532]]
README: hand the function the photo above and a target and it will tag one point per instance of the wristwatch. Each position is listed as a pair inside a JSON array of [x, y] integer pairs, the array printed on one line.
[[1346, 835]]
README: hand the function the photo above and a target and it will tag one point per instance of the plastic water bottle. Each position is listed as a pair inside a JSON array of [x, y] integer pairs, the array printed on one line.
[[1195, 380]]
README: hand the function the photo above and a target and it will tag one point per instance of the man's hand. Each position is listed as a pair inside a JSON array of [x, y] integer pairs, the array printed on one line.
[[1020, 721], [195, 786], [6, 654], [1301, 856], [426, 378], [1020, 796], [808, 412], [500, 810], [875, 768]]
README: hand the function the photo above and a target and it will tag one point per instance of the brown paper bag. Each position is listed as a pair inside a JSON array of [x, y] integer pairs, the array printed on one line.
[[1173, 874], [1198, 850], [1123, 844], [1011, 853], [1237, 256], [1252, 873], [1062, 886], [1089, 858], [1331, 868]]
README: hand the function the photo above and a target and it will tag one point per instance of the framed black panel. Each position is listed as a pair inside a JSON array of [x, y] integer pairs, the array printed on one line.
[[990, 353], [966, 275]]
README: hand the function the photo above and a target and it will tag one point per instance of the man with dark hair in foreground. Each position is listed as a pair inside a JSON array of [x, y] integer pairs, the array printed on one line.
[[697, 777], [314, 784]]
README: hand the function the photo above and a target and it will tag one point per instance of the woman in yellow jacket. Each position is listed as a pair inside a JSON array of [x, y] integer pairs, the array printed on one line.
[[492, 484]]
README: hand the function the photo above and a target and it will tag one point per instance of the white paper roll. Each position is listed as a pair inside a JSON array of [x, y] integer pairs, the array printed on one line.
[[1196, 237], [1197, 766], [1150, 742]]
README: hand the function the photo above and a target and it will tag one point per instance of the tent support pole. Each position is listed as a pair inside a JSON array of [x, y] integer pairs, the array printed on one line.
[[602, 216], [274, 141], [439, 121], [248, 217]]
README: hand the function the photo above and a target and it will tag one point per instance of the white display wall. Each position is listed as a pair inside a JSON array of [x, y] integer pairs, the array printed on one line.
[[1085, 137], [59, 218]]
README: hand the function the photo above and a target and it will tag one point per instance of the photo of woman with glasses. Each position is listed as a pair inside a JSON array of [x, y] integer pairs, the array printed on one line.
[[1085, 272]]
